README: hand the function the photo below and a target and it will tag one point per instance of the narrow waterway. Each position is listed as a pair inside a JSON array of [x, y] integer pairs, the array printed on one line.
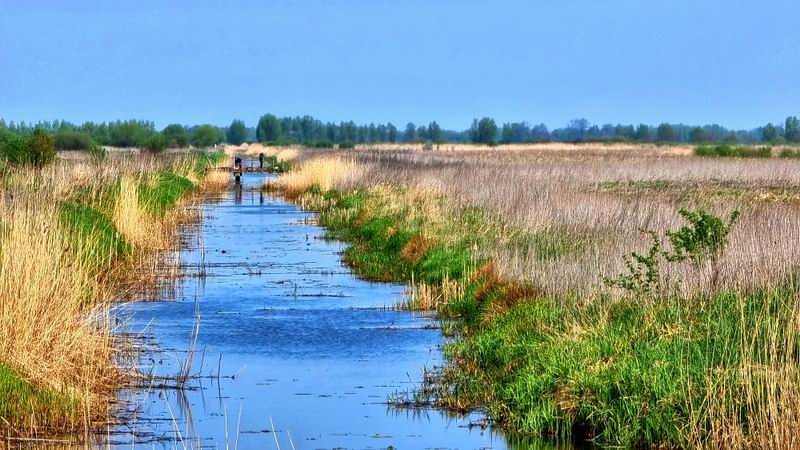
[[305, 351]]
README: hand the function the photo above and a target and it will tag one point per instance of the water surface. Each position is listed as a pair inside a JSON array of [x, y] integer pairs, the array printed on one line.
[[306, 353]]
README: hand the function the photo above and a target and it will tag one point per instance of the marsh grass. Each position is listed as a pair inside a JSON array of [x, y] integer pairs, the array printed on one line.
[[511, 248], [74, 238]]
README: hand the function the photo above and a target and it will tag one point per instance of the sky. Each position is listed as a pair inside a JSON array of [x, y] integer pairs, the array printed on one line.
[[731, 62]]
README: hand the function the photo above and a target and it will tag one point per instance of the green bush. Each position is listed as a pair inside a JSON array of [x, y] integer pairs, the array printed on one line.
[[346, 145], [790, 153], [15, 149], [324, 143], [98, 152], [37, 150], [727, 150], [73, 140], [156, 143]]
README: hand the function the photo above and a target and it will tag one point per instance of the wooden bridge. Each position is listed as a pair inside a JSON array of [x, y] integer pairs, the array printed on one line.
[[265, 165]]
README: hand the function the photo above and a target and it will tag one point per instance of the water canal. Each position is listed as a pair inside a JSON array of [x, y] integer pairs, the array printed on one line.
[[306, 352]]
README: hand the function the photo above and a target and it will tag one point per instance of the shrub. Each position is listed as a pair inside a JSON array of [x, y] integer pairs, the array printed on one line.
[[98, 153], [790, 153], [324, 143], [72, 140], [703, 239], [726, 150], [42, 148], [156, 143], [346, 145], [37, 149], [14, 149]]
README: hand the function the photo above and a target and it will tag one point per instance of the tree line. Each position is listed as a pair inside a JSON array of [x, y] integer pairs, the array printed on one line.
[[307, 130]]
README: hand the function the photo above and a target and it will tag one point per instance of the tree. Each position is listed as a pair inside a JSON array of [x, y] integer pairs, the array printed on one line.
[[176, 135], [791, 130], [540, 133], [268, 129], [697, 135], [642, 133], [130, 133], [435, 132], [578, 128], [665, 133], [237, 132], [483, 131], [769, 133], [507, 134], [391, 132], [206, 136], [410, 134]]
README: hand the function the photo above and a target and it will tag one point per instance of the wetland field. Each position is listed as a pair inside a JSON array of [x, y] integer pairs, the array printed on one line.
[[520, 296]]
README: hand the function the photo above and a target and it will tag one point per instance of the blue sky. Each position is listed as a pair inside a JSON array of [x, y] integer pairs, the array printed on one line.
[[731, 62]]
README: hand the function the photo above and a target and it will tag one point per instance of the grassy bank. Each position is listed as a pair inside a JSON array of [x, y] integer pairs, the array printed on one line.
[[687, 364], [74, 238]]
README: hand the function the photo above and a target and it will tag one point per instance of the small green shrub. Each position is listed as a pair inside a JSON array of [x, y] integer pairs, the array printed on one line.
[[323, 143], [73, 140], [790, 153], [98, 153], [642, 277], [346, 145], [15, 149], [156, 143], [37, 150], [727, 150], [703, 239]]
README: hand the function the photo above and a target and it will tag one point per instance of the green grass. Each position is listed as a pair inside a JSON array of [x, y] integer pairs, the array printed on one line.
[[725, 150], [21, 400], [622, 372], [378, 242], [618, 375], [163, 192], [206, 160], [92, 234]]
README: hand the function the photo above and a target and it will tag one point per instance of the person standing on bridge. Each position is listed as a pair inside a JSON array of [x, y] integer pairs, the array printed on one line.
[[260, 160]]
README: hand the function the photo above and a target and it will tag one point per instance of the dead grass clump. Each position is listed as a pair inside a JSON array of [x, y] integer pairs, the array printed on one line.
[[415, 249], [48, 333], [323, 173], [216, 180]]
